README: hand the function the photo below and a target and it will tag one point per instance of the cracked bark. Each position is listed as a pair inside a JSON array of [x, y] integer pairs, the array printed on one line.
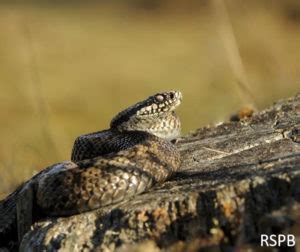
[[237, 180]]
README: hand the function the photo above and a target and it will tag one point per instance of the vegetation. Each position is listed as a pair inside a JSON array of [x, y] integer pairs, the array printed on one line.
[[66, 70]]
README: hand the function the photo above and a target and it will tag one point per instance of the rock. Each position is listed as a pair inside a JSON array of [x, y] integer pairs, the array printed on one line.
[[233, 177]]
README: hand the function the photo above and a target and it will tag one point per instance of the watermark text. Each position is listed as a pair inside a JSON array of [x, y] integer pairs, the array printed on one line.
[[277, 240]]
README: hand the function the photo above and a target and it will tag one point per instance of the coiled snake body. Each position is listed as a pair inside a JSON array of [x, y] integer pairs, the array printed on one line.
[[108, 166]]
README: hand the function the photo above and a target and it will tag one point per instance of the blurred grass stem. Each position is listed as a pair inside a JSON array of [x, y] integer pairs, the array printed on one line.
[[232, 50], [36, 80]]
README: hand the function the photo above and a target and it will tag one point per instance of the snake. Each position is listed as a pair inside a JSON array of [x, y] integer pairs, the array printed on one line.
[[109, 166]]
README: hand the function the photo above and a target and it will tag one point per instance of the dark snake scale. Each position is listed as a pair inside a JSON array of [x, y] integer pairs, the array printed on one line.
[[108, 166]]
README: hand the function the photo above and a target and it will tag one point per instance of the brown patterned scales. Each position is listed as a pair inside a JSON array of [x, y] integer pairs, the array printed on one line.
[[107, 167]]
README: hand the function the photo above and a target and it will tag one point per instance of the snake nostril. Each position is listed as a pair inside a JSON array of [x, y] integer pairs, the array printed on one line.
[[172, 95]]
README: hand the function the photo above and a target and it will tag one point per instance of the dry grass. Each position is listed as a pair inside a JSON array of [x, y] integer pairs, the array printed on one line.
[[66, 71]]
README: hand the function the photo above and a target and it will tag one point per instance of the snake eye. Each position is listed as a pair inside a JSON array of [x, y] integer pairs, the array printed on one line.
[[159, 98]]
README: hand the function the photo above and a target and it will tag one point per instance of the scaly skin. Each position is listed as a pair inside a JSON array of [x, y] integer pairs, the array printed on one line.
[[154, 115], [93, 183], [107, 166]]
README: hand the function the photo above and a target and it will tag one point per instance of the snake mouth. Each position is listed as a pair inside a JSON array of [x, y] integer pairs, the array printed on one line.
[[177, 97]]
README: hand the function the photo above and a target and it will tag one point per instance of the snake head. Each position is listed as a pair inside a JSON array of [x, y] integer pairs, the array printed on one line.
[[149, 113], [159, 103]]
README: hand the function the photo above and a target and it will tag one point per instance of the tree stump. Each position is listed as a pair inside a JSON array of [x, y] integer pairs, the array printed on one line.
[[237, 181]]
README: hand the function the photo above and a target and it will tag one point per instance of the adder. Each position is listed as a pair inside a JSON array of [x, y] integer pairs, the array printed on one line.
[[106, 167]]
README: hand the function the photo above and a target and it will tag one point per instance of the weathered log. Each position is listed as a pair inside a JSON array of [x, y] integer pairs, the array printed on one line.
[[232, 177]]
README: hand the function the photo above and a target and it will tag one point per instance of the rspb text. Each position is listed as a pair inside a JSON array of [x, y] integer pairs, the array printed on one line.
[[277, 240]]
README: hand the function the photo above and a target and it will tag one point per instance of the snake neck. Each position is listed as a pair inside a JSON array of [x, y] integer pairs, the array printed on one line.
[[166, 126]]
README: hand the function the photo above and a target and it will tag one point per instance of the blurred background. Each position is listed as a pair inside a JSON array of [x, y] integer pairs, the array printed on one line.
[[67, 68]]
